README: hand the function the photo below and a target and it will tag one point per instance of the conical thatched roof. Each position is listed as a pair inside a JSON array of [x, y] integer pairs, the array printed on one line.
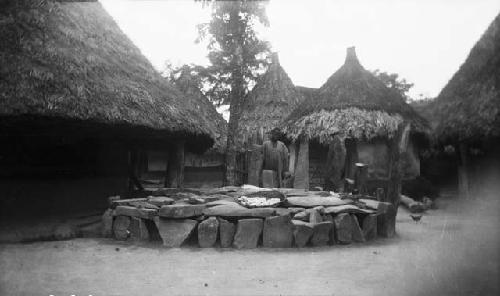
[[71, 62], [352, 103], [271, 100], [187, 85], [468, 107]]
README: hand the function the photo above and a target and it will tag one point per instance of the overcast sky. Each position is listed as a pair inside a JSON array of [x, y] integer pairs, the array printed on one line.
[[425, 41]]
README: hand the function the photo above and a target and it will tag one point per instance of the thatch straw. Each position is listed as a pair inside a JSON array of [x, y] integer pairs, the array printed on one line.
[[188, 85], [271, 100], [71, 61], [468, 107], [352, 103]]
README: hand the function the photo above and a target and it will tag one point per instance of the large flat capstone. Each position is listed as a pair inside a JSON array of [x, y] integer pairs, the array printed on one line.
[[178, 211]]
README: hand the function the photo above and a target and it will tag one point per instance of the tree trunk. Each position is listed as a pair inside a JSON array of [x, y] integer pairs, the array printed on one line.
[[175, 169], [397, 146], [463, 177]]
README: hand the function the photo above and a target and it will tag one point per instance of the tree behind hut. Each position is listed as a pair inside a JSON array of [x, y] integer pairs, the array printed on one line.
[[395, 82], [236, 55]]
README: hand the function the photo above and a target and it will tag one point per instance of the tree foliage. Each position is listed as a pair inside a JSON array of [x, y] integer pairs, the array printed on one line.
[[394, 81], [234, 46]]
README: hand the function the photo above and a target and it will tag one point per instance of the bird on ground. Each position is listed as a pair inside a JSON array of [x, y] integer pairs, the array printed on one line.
[[416, 217]]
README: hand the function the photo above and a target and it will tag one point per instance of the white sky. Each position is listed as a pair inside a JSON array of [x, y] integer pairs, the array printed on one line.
[[424, 41]]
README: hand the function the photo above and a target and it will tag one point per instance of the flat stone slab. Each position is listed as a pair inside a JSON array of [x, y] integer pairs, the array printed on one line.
[[160, 201], [312, 201], [302, 232], [347, 209], [236, 210], [120, 227], [303, 216], [143, 205], [343, 228], [321, 233], [278, 232], [135, 212], [283, 212], [174, 232], [248, 232], [207, 232], [124, 202], [226, 233], [369, 226], [181, 211], [357, 233], [220, 202]]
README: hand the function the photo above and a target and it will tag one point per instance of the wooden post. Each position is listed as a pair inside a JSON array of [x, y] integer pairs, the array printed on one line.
[[132, 171], [351, 147], [167, 161], [302, 168], [463, 178], [175, 168], [361, 177], [397, 146], [335, 163]]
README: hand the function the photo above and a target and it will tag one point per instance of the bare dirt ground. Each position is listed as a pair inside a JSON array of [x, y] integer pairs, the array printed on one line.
[[453, 251]]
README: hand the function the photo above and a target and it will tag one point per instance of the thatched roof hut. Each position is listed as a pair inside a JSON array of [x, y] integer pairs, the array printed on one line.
[[352, 103], [188, 86], [271, 100], [68, 65], [468, 107]]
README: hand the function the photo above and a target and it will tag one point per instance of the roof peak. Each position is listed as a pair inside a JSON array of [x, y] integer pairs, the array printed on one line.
[[351, 57]]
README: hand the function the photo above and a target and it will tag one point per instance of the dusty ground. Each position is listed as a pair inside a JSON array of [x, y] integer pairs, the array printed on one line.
[[453, 251]]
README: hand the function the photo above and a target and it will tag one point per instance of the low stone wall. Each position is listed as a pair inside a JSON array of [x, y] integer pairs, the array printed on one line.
[[215, 219]]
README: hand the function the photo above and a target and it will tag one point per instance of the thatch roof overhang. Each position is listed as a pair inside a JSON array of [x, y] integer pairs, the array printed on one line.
[[70, 63], [468, 107], [214, 119], [271, 100], [352, 103]]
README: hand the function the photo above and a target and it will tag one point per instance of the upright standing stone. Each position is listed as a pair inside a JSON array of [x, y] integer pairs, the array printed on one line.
[[107, 223], [357, 233], [302, 233], [120, 227], [321, 233], [328, 217], [226, 230], [269, 179], [343, 228], [315, 216], [174, 232], [138, 229], [369, 226], [301, 179], [254, 166], [207, 232], [248, 232], [278, 232], [386, 220]]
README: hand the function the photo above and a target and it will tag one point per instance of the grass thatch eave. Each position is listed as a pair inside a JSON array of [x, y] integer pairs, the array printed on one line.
[[468, 107], [72, 61], [271, 100], [212, 118], [352, 91]]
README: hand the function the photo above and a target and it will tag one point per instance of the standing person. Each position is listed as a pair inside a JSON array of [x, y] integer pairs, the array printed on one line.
[[275, 157]]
